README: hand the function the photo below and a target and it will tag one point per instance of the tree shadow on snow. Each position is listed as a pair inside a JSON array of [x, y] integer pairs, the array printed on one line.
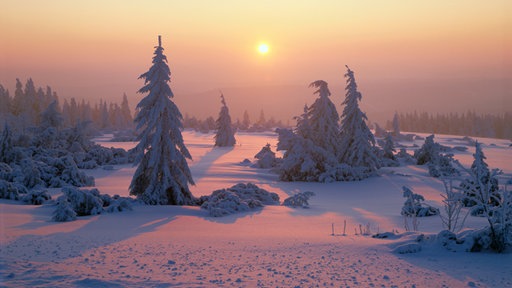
[[98, 231], [200, 169]]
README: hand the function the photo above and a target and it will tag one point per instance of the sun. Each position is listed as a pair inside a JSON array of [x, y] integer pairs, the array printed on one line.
[[263, 48]]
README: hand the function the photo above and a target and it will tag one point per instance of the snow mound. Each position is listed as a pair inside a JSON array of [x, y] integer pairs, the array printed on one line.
[[299, 200], [82, 202], [239, 198]]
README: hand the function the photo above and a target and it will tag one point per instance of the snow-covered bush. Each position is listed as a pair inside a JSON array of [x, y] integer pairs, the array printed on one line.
[[345, 172], [31, 173], [116, 203], [303, 160], [299, 199], [36, 197], [442, 166], [70, 173], [84, 202], [470, 187], [5, 171], [266, 158], [8, 190], [239, 198], [405, 157], [64, 211], [428, 151], [224, 202], [414, 207], [452, 204]]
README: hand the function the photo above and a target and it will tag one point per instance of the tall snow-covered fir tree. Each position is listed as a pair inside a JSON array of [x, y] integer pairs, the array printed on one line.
[[357, 142], [163, 175], [323, 119], [225, 133]]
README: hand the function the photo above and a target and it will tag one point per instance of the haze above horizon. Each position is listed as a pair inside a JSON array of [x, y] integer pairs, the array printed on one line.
[[406, 55]]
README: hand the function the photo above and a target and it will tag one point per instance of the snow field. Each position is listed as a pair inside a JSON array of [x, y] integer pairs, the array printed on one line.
[[169, 246]]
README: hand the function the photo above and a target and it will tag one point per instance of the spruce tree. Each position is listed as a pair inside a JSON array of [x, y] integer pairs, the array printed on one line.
[[126, 114], [163, 175], [481, 180], [323, 119], [225, 133], [396, 125], [357, 141]]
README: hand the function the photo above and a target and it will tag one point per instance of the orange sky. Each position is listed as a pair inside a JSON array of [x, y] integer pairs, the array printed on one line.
[[397, 48]]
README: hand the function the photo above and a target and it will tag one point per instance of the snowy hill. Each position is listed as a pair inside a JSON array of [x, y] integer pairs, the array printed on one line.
[[277, 246]]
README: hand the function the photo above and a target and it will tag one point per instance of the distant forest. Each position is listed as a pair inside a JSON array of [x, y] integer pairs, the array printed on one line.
[[465, 124], [25, 108]]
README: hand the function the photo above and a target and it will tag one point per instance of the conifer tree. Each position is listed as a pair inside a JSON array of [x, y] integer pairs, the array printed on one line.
[[225, 133], [126, 114], [396, 125], [51, 117], [482, 174], [5, 102], [323, 119], [357, 141], [246, 122], [303, 128], [163, 175]]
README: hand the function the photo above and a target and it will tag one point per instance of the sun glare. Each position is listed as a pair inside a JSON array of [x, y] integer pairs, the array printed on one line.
[[263, 48]]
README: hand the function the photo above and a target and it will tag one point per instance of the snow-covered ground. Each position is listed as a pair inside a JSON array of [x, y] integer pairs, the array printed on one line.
[[277, 246]]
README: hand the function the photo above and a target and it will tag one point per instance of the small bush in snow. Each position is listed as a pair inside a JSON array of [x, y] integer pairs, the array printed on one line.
[[8, 190], [224, 202], [64, 211], [413, 206], [405, 157], [84, 202], [5, 171], [298, 200], [266, 158], [239, 198], [36, 197], [116, 203], [71, 175], [442, 165]]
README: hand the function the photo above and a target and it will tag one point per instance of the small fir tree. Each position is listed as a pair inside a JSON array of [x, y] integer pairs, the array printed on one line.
[[163, 175], [481, 172], [357, 143], [225, 133]]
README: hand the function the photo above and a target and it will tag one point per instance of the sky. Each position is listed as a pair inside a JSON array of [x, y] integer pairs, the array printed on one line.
[[407, 55]]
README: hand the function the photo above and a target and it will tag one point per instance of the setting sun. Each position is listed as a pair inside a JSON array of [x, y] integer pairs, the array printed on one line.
[[263, 48]]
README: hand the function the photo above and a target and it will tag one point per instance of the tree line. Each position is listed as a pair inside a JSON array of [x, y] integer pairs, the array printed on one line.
[[24, 109], [466, 124]]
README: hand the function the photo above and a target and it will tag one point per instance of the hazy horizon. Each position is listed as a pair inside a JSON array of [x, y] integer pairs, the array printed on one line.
[[406, 56]]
